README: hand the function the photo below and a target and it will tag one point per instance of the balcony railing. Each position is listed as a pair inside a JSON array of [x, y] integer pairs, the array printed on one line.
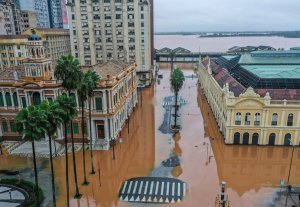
[[247, 122], [274, 123], [256, 123], [237, 122]]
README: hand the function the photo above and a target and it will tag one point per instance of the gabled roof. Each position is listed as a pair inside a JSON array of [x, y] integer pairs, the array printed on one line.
[[8, 73], [181, 49], [165, 49], [280, 94]]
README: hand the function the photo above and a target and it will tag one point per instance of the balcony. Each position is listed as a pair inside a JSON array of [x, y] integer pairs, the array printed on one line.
[[237, 122], [274, 123], [247, 122], [256, 123]]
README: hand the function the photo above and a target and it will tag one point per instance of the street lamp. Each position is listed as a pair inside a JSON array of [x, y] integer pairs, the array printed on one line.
[[114, 141]]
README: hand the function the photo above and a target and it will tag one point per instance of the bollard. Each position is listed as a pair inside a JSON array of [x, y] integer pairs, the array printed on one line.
[[10, 195], [19, 178]]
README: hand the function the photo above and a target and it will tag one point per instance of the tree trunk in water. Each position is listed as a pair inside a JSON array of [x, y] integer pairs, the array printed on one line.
[[52, 172], [175, 108], [83, 152], [35, 174], [67, 165], [172, 65], [91, 137], [74, 161]]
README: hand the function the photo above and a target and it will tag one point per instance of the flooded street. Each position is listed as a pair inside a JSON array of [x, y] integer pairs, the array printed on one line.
[[251, 173]]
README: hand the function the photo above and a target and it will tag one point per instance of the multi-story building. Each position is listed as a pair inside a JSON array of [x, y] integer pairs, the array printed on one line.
[[14, 21], [58, 14], [56, 41], [13, 49], [103, 30], [34, 81], [254, 97], [40, 7]]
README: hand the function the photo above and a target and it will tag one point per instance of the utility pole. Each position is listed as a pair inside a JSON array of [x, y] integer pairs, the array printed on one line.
[[128, 119]]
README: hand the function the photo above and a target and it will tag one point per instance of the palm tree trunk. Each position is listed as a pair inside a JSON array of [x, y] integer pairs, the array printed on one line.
[[74, 161], [172, 65], [91, 137], [67, 165], [83, 152], [52, 172], [175, 108], [35, 174]]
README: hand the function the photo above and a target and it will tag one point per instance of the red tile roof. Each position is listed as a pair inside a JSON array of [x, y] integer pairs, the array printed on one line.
[[8, 73], [280, 94], [14, 36], [215, 68]]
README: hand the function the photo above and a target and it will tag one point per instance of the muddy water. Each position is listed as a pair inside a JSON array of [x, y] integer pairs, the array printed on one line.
[[251, 173]]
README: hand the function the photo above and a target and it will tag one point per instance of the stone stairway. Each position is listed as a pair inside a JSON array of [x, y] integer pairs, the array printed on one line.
[[100, 144]]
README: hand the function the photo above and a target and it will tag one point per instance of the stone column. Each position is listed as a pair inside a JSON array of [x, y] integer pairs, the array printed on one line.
[[1, 133], [298, 119], [106, 129], [282, 117], [18, 98], [54, 92], [296, 141], [93, 131], [109, 100], [111, 129], [41, 95], [267, 118], [77, 102], [4, 99], [232, 117], [104, 102], [12, 98], [280, 137]]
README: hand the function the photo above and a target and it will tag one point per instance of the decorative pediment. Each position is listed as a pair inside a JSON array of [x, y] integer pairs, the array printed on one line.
[[249, 103], [250, 93], [31, 84]]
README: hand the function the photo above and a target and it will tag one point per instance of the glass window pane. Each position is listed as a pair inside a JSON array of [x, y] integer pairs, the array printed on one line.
[[24, 102], [12, 126], [5, 129], [76, 131]]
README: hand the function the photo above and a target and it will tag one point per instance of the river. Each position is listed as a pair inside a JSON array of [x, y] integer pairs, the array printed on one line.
[[220, 44]]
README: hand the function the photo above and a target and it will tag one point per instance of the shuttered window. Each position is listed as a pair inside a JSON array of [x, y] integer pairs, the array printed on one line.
[[85, 131], [5, 129], [50, 100], [99, 103], [8, 99], [15, 99], [76, 131], [12, 127], [24, 102], [68, 129], [1, 100]]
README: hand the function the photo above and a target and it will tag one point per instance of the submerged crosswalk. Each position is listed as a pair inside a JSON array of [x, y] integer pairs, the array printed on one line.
[[169, 103], [148, 189]]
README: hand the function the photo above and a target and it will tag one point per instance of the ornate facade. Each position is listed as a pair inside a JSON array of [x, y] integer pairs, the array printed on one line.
[[34, 81], [245, 115]]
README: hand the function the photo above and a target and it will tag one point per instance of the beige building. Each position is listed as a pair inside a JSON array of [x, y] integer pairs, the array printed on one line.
[[14, 21], [34, 81], [56, 41], [267, 112], [103, 30], [13, 49]]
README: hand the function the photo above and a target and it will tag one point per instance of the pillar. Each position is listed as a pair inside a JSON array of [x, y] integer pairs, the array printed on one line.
[[41, 95], [282, 117], [18, 98], [109, 100], [111, 128], [1, 133], [93, 131], [12, 98], [104, 102], [77, 102], [280, 137], [267, 118], [4, 99], [296, 141], [106, 129]]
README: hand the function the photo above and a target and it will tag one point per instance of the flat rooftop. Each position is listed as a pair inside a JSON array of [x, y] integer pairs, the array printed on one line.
[[249, 59], [274, 71]]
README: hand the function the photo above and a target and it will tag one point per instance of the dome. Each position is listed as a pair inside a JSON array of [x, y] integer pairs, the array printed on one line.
[[34, 37]]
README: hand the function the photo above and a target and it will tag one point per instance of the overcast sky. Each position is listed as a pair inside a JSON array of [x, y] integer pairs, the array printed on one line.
[[226, 15]]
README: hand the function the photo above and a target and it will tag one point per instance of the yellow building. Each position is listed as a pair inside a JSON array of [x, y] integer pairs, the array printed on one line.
[[56, 41], [267, 114], [13, 49], [34, 81]]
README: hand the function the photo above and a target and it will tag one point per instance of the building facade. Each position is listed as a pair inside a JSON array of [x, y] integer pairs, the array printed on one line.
[[103, 30], [253, 113], [56, 41], [40, 7], [34, 81], [247, 49], [57, 13], [13, 49], [14, 21]]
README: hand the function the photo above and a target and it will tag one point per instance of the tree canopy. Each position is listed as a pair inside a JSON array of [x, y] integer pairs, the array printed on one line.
[[177, 79]]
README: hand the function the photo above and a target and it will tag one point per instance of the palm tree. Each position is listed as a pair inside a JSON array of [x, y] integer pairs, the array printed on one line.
[[172, 56], [91, 78], [69, 71], [31, 122], [177, 80], [68, 105], [54, 116], [82, 94]]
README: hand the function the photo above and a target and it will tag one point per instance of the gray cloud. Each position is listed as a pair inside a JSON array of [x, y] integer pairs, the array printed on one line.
[[226, 15]]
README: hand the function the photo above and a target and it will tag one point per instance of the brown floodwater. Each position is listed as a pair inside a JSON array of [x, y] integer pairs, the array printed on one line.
[[251, 173]]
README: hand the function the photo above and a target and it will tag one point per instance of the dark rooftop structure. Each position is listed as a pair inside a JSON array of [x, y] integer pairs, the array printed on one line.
[[236, 49]]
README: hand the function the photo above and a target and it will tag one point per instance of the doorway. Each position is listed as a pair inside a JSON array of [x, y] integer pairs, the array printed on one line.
[[236, 138], [100, 129]]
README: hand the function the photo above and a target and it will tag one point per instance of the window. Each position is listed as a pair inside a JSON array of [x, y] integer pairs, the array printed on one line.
[[290, 120], [106, 1], [255, 139], [85, 131], [24, 102], [80, 103], [287, 139], [142, 8], [272, 139], [73, 16], [36, 99], [118, 16], [15, 99], [274, 119], [247, 119], [76, 131], [50, 100], [1, 100], [74, 32], [12, 127], [68, 129], [18, 47], [142, 24], [5, 128], [8, 99], [257, 119], [142, 16], [238, 118], [236, 138], [99, 103]]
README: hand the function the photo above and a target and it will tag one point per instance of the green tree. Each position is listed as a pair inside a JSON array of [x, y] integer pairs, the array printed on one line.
[[172, 56], [177, 80], [31, 123], [54, 116], [82, 94], [91, 78], [68, 105], [69, 71]]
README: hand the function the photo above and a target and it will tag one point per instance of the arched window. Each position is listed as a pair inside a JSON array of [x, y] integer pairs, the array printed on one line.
[[290, 120], [33, 72], [247, 119], [274, 119], [36, 99], [246, 138], [15, 99], [272, 137], [236, 139], [255, 139], [1, 100], [257, 119], [287, 139], [8, 99], [238, 118]]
